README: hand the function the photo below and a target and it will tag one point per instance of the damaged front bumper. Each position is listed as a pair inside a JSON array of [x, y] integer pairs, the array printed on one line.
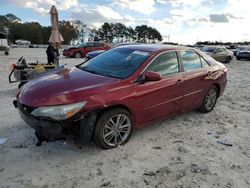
[[81, 126]]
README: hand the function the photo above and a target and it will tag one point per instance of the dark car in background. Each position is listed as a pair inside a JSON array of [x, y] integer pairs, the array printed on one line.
[[220, 54], [238, 49], [84, 48], [243, 54], [121, 90]]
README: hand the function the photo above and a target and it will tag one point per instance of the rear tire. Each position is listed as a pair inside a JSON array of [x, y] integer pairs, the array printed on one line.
[[78, 55], [114, 127], [209, 100], [228, 59]]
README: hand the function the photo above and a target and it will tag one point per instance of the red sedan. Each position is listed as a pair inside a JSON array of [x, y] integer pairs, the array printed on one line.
[[84, 48], [121, 90]]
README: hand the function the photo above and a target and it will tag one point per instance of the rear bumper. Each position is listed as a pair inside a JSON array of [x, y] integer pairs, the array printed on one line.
[[81, 126], [223, 87], [223, 84]]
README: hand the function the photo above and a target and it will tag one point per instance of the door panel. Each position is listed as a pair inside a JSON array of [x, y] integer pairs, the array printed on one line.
[[194, 88], [195, 83], [158, 99]]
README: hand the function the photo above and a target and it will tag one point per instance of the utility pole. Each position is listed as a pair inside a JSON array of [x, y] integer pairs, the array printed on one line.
[[6, 29], [168, 37]]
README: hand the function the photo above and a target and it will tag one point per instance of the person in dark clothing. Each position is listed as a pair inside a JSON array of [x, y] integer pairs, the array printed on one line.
[[52, 54]]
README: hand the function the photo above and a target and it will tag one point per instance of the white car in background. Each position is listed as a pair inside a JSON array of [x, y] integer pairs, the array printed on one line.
[[22, 42], [220, 54], [4, 44]]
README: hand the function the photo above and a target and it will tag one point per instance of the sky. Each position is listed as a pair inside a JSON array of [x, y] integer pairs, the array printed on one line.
[[182, 21]]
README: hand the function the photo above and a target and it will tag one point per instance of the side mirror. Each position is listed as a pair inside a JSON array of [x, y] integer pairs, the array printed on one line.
[[152, 76]]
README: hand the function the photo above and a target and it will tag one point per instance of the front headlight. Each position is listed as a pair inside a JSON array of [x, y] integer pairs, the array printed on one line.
[[60, 112]]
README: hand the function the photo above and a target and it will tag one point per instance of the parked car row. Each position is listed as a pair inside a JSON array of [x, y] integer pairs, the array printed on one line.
[[221, 54], [107, 100]]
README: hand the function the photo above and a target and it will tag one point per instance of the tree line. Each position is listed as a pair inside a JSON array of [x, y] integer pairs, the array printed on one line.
[[143, 33], [37, 34], [230, 44]]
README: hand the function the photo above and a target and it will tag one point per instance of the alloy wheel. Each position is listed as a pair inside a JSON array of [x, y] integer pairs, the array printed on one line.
[[116, 130], [210, 99]]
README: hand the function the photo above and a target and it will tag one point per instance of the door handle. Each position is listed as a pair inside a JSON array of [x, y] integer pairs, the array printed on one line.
[[209, 73], [179, 82]]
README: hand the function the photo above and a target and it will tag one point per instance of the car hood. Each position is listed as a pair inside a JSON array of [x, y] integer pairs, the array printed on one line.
[[63, 87]]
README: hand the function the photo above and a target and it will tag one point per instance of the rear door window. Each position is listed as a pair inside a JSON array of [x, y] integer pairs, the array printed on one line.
[[191, 60], [204, 63]]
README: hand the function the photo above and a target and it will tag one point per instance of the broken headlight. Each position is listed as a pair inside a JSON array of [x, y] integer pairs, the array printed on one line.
[[60, 112]]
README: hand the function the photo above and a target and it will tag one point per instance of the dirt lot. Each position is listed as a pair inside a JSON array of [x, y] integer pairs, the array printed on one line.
[[180, 152]]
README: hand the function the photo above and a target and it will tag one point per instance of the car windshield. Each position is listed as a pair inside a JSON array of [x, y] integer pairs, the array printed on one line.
[[117, 63], [208, 49]]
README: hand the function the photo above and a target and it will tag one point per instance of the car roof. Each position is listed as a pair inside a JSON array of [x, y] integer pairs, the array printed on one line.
[[155, 47]]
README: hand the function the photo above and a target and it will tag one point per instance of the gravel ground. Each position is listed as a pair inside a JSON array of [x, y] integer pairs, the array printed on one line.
[[180, 152]]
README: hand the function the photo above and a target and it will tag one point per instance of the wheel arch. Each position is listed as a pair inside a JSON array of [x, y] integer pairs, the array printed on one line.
[[121, 106], [228, 58], [218, 88], [97, 134]]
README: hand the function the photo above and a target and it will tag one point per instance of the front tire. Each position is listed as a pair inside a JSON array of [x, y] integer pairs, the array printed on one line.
[[209, 100], [114, 127]]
